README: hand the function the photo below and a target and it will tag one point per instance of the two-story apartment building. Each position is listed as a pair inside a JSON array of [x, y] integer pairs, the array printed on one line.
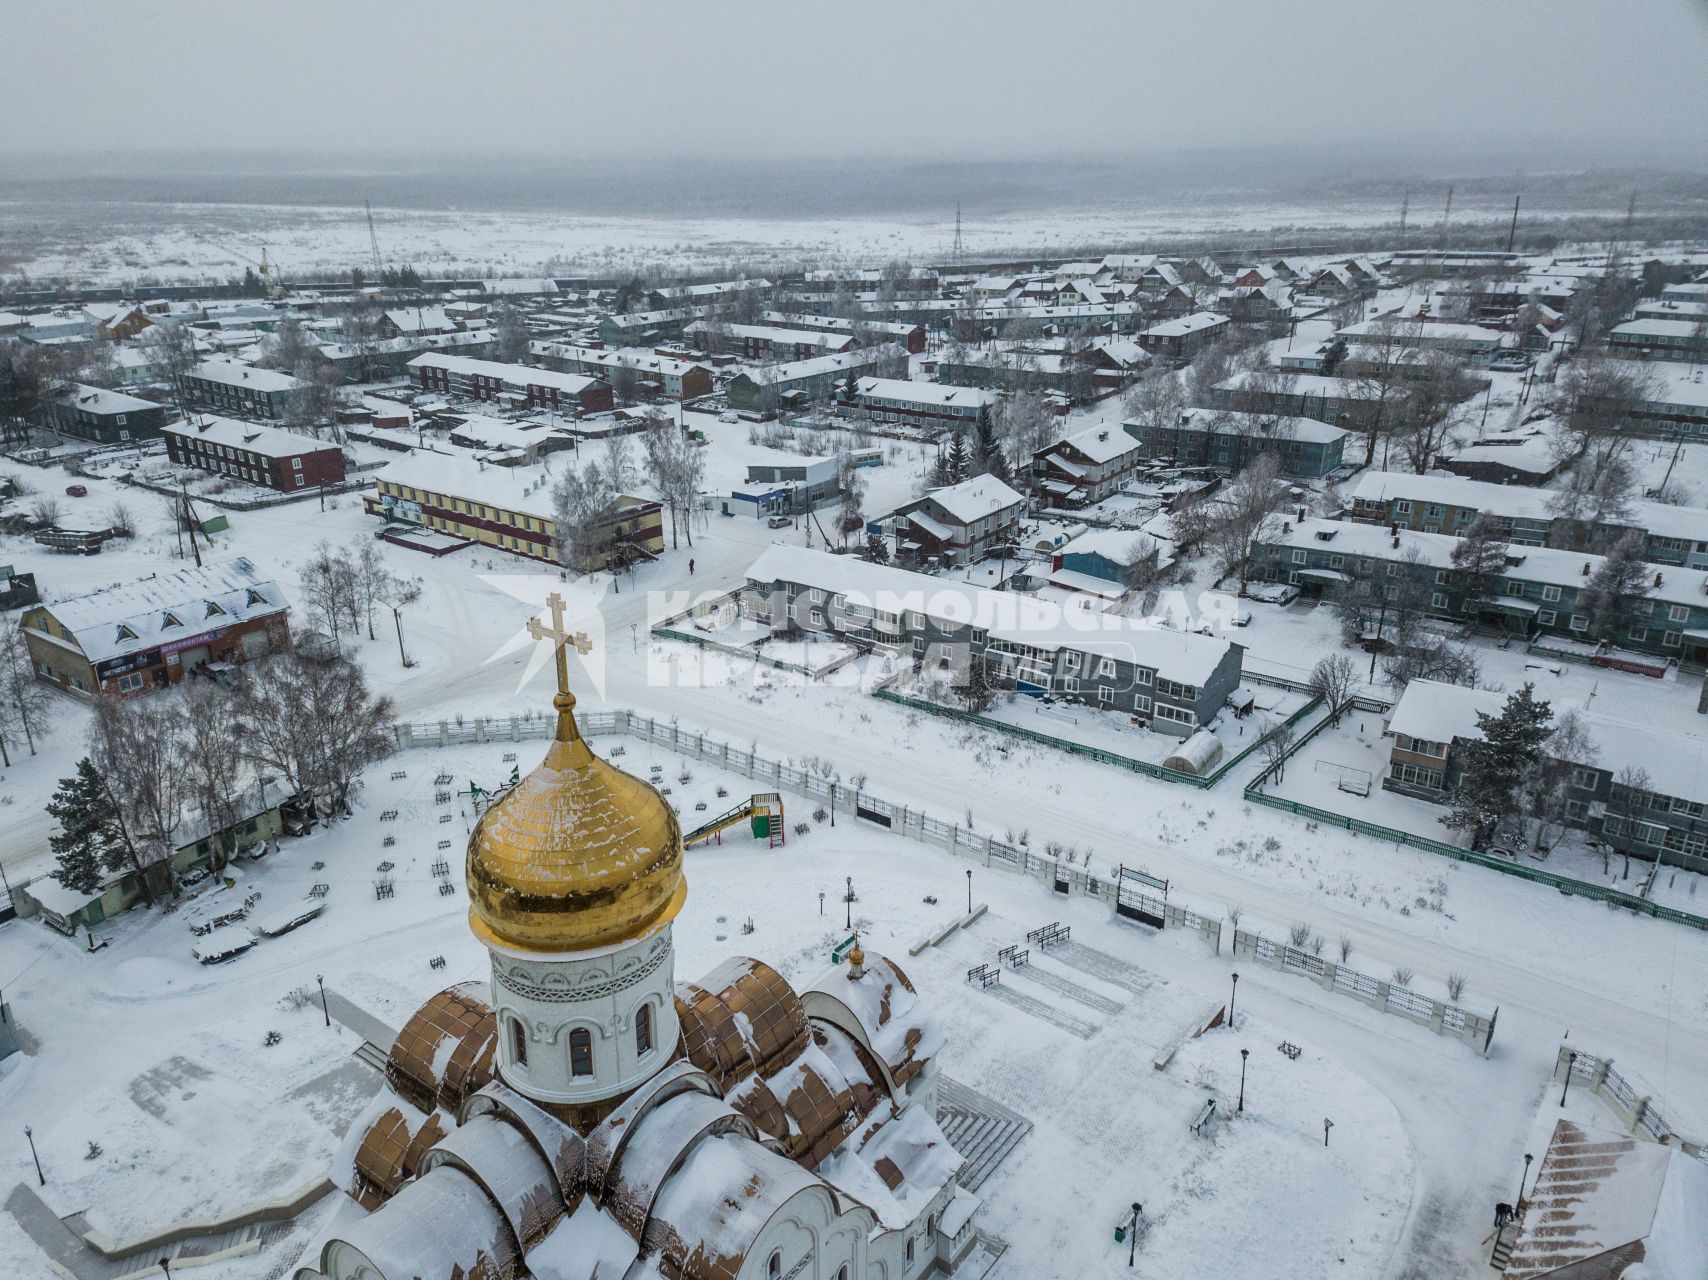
[[1660, 340], [1005, 370], [802, 382], [647, 328], [653, 375], [1677, 407], [1182, 338], [106, 417], [959, 523], [910, 336], [268, 456], [505, 508], [1171, 681], [522, 385], [1086, 467], [1229, 440], [242, 389], [1537, 594], [1672, 535], [151, 632], [1304, 395], [1431, 723], [767, 342], [1471, 343], [915, 404]]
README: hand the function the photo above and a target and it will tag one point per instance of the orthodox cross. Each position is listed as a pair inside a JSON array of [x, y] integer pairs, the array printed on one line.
[[560, 638]]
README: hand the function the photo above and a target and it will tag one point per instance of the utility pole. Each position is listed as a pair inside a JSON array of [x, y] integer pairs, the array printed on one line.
[[1405, 207], [373, 241], [1512, 231], [189, 517], [957, 251], [1441, 257]]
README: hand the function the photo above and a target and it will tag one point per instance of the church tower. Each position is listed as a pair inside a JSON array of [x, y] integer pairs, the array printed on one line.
[[574, 878]]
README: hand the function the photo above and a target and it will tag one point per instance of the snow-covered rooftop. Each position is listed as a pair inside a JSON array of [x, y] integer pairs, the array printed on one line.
[[178, 605], [976, 498], [1183, 325], [272, 442], [935, 394], [233, 374]]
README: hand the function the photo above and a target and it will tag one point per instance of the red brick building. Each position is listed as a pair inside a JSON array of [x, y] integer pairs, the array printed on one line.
[[266, 456]]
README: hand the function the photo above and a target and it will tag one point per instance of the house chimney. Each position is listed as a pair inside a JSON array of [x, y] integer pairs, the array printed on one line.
[[1394, 530], [1586, 568], [1657, 579]]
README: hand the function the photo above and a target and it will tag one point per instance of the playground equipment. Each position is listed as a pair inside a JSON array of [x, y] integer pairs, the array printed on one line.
[[764, 810]]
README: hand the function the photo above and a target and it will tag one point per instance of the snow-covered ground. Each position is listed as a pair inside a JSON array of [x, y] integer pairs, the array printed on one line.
[[1425, 1133]]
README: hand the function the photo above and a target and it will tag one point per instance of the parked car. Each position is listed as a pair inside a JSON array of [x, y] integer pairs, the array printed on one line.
[[778, 522], [77, 490], [731, 416]]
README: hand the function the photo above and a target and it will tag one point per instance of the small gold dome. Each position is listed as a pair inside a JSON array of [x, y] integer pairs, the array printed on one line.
[[578, 855]]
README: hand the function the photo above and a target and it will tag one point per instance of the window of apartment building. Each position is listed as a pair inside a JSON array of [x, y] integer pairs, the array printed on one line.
[[1070, 684], [1180, 715], [1678, 613], [1546, 617], [130, 683], [1579, 622], [1141, 705], [1514, 589], [1441, 576], [1550, 593], [1639, 633], [1437, 601], [1298, 556], [1106, 667], [1402, 508], [1670, 639], [1105, 695], [1070, 660], [919, 644], [1418, 776], [1584, 778]]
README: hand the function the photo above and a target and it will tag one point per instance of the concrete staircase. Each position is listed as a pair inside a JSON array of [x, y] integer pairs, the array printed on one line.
[[982, 1129]]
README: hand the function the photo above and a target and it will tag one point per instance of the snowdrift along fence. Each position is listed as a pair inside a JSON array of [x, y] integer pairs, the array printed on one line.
[[1566, 885], [1065, 878], [1439, 1016], [1098, 754]]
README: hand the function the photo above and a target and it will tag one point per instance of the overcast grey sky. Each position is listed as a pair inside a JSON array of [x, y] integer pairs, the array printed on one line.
[[857, 77]]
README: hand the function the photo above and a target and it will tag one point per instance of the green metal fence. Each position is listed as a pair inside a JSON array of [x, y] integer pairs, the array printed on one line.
[[1081, 749], [1577, 888]]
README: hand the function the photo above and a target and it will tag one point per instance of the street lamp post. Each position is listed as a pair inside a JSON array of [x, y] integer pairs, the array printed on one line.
[[1567, 1082], [29, 1134], [324, 1012], [1523, 1178], [1231, 998], [1133, 1233], [1327, 1125], [848, 903], [1243, 1055], [166, 1266], [821, 902], [969, 891]]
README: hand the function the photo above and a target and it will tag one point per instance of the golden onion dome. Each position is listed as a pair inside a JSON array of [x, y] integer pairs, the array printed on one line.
[[578, 855]]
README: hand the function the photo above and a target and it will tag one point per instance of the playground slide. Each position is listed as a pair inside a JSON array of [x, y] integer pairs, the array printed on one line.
[[764, 810]]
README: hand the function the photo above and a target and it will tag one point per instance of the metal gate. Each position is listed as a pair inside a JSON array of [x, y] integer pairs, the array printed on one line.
[[1142, 897]]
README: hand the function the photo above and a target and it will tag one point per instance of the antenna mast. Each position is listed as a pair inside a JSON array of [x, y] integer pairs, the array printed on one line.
[[1405, 208], [957, 250], [1512, 231]]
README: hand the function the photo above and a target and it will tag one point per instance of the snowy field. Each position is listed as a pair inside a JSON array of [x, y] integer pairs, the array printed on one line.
[[169, 242]]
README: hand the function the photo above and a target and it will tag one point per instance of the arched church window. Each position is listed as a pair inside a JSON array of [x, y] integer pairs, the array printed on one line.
[[774, 1268], [643, 1030], [581, 1052], [842, 1272], [518, 1043]]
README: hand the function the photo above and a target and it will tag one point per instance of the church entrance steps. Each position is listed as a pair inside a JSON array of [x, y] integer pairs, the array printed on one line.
[[981, 1129], [1100, 964], [372, 1054], [1072, 990]]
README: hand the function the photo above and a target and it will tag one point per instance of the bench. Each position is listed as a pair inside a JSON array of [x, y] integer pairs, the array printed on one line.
[[1206, 1114]]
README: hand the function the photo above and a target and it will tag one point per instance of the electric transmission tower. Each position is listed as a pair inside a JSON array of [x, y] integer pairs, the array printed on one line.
[[373, 241], [957, 251]]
